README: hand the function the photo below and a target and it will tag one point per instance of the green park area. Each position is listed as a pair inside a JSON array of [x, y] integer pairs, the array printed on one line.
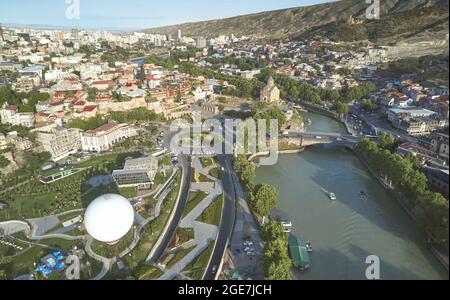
[[35, 199], [149, 235], [196, 268], [194, 199], [213, 213]]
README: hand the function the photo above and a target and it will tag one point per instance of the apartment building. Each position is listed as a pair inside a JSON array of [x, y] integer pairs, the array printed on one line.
[[105, 137]]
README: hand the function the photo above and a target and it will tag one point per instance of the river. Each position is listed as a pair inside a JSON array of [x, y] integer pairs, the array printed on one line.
[[345, 232]]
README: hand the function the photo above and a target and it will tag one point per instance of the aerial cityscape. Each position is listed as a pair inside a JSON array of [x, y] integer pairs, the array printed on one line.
[[260, 140]]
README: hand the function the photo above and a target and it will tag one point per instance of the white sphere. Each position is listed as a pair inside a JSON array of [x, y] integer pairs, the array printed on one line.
[[109, 218]]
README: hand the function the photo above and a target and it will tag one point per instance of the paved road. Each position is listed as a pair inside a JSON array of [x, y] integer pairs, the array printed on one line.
[[228, 217], [184, 192]]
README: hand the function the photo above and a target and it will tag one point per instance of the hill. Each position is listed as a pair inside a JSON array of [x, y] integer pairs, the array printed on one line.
[[294, 21], [397, 26]]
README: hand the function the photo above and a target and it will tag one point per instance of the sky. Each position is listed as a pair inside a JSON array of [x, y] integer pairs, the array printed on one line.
[[133, 14]]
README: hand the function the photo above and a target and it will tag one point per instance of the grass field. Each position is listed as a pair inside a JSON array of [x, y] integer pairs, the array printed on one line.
[[213, 213], [196, 268], [194, 199]]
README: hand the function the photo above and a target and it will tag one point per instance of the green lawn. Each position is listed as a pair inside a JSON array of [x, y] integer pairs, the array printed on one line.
[[194, 199], [128, 192], [152, 231], [23, 263], [213, 213], [179, 256], [184, 235], [198, 177], [196, 268], [111, 251], [207, 161], [215, 173], [98, 191]]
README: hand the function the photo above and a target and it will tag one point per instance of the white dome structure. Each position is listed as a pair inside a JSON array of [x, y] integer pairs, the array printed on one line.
[[109, 218]]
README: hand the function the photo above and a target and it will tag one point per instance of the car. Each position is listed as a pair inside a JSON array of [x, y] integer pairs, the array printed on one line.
[[250, 253], [214, 270], [318, 137], [248, 243]]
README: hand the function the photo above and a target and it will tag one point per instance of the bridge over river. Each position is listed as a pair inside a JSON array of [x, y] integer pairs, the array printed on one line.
[[314, 138]]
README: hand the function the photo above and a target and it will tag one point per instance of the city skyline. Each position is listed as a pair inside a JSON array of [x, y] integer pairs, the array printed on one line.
[[102, 14]]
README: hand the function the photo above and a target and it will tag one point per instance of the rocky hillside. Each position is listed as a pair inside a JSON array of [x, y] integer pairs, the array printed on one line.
[[295, 21]]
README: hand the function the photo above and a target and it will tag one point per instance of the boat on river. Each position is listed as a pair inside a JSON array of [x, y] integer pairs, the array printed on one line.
[[332, 196]]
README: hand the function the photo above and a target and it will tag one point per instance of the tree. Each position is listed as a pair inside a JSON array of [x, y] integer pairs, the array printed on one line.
[[272, 230], [279, 269], [341, 109], [387, 141], [4, 162], [263, 199]]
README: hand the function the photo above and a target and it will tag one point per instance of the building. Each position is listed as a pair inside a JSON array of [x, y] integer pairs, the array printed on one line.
[[138, 173], [60, 142], [104, 137], [437, 180], [270, 93], [9, 114], [395, 114]]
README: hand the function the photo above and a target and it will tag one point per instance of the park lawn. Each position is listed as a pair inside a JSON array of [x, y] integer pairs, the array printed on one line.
[[199, 264], [128, 192], [160, 179], [98, 191], [111, 251], [213, 213], [59, 244], [23, 263], [151, 273], [214, 173], [179, 256], [207, 162], [194, 199], [152, 231], [25, 206], [185, 235], [198, 177]]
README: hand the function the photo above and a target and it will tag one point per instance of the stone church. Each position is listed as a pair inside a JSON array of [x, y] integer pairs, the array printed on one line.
[[270, 93]]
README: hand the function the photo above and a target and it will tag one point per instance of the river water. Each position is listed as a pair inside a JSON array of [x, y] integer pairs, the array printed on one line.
[[345, 232]]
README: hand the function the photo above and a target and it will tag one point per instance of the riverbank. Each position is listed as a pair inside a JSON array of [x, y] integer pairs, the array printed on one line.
[[345, 232], [405, 204]]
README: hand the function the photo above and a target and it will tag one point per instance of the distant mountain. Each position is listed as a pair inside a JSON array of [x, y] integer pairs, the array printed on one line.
[[294, 21]]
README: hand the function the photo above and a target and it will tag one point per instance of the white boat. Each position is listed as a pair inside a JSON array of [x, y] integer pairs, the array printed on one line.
[[333, 196], [287, 226]]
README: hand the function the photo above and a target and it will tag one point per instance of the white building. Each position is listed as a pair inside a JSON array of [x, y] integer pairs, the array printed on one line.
[[104, 137], [60, 142], [9, 114]]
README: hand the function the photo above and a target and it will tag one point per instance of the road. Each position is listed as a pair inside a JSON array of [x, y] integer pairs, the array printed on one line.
[[228, 217], [184, 193], [380, 125]]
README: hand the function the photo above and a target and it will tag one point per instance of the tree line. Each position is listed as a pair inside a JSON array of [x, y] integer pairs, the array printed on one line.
[[405, 176]]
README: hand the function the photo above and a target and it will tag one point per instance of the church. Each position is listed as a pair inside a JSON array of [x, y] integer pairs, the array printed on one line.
[[270, 93]]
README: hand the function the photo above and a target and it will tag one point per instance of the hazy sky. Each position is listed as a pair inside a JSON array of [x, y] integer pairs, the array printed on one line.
[[134, 14]]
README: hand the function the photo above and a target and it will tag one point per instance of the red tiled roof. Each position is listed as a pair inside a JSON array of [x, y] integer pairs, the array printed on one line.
[[11, 107], [90, 108]]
